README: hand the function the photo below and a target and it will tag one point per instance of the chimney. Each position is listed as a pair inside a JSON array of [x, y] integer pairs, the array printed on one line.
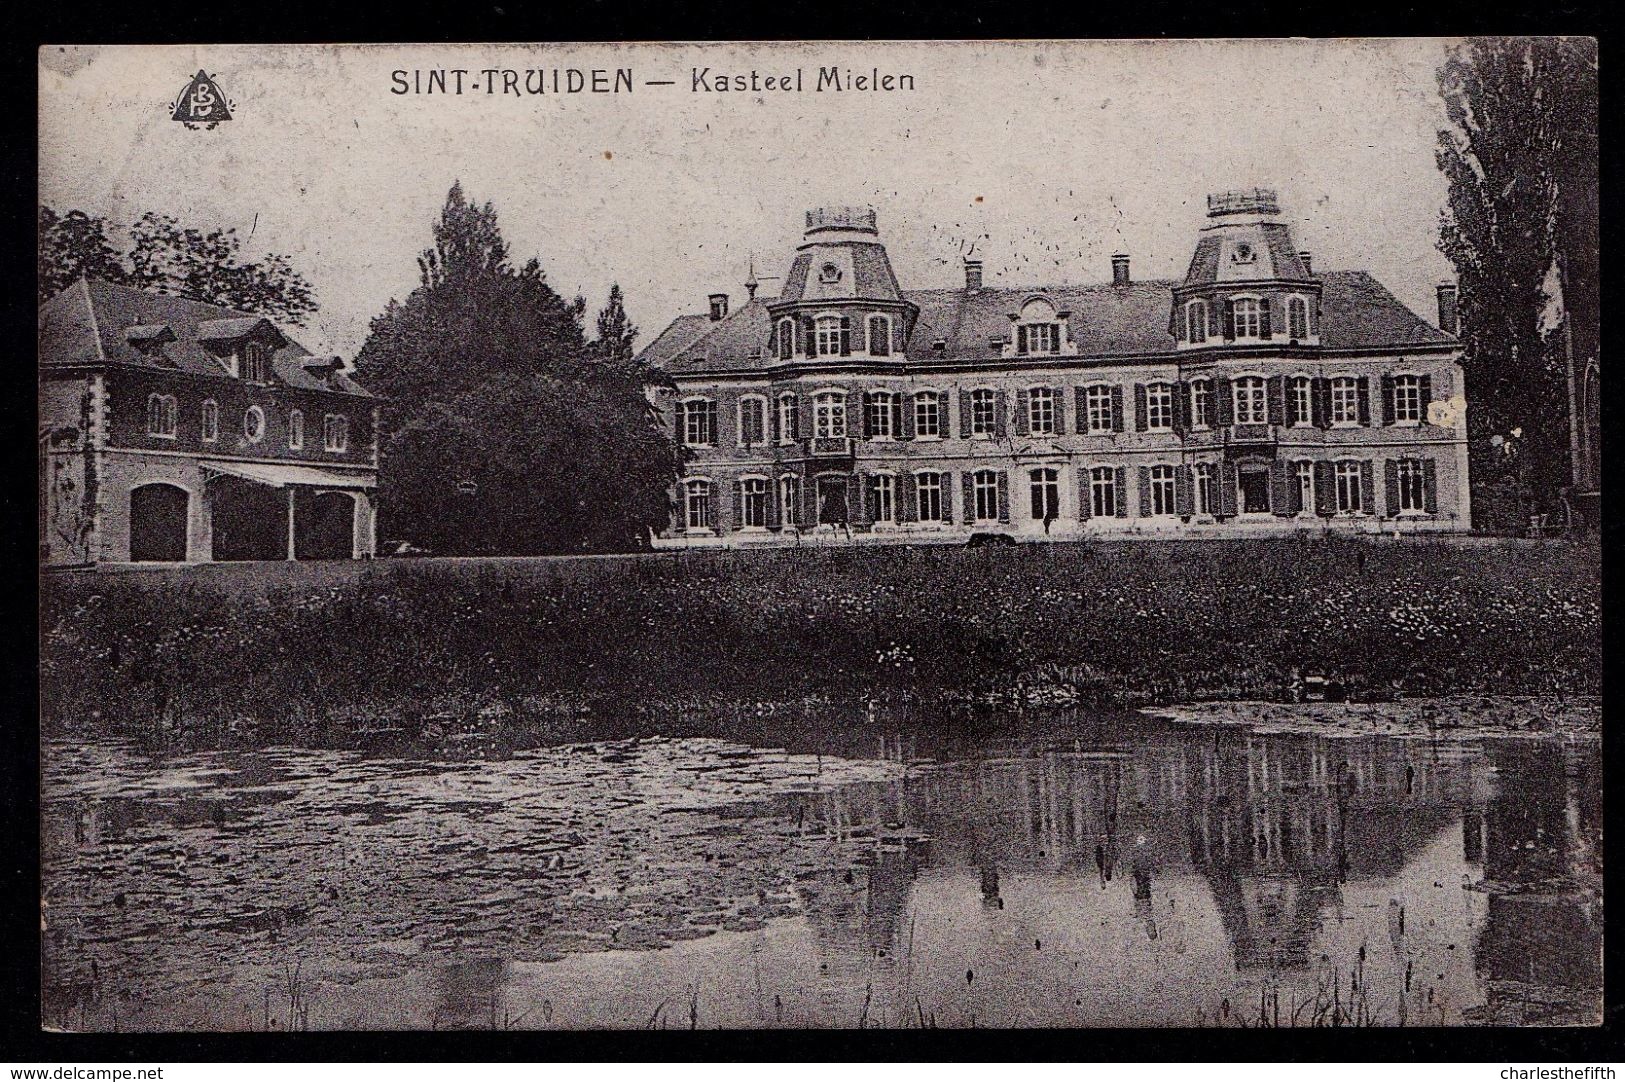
[[1448, 321], [973, 274], [1308, 266], [1120, 268], [719, 306]]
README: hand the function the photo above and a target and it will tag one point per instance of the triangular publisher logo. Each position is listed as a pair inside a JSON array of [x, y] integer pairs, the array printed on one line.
[[201, 104]]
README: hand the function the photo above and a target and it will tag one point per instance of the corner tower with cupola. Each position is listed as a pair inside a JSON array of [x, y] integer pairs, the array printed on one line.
[[1247, 283], [840, 297]]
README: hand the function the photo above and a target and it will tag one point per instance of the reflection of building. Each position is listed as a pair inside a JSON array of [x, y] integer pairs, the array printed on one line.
[[172, 430], [1254, 393]]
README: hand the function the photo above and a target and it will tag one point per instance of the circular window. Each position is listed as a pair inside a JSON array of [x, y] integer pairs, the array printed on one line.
[[1243, 252], [254, 424], [829, 272]]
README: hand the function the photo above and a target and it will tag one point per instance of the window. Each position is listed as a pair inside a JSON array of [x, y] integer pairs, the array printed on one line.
[[1297, 318], [161, 416], [1046, 493], [928, 497], [253, 424], [753, 503], [829, 414], [699, 422], [927, 415], [1038, 338], [1347, 475], [1196, 321], [983, 409], [1345, 401], [1203, 495], [1162, 490], [789, 418], [296, 429], [879, 336], [1041, 411], [1249, 320], [752, 421], [336, 432], [1159, 407], [1407, 399], [787, 338], [828, 331], [211, 421], [883, 497], [1201, 393], [1304, 472], [1412, 484], [1252, 407], [1103, 492], [877, 416], [789, 497], [1098, 403], [697, 505], [256, 362], [985, 488], [1301, 401]]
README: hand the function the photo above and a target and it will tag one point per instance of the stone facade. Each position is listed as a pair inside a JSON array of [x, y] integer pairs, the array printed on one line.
[[175, 431], [1252, 396]]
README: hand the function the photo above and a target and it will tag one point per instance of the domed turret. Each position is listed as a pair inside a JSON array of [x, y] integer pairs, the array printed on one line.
[[840, 295], [1247, 282]]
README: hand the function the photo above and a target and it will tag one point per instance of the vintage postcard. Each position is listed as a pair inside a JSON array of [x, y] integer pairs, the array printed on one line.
[[820, 535]]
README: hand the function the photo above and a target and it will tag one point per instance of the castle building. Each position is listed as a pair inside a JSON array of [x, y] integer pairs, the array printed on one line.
[[173, 431], [1255, 395]]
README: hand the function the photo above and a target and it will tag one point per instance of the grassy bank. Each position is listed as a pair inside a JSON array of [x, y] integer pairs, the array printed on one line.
[[308, 653]]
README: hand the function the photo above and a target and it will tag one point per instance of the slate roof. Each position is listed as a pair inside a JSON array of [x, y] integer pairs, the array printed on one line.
[[1106, 320], [92, 322], [872, 275]]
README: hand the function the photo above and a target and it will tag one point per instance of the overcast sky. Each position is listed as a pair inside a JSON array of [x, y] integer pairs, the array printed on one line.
[[1046, 157]]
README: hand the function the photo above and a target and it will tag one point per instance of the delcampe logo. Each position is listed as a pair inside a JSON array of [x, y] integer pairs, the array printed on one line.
[[201, 105]]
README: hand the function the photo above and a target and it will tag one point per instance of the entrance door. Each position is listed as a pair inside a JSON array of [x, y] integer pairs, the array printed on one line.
[[1255, 491], [832, 501], [323, 526], [158, 523]]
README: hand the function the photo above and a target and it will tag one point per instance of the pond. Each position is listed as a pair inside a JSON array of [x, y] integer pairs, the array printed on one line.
[[771, 867]]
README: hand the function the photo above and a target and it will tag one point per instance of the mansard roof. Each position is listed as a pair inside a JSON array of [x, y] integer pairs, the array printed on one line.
[[93, 322], [1106, 321]]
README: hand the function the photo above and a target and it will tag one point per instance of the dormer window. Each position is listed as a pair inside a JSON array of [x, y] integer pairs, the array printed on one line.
[[1297, 318], [256, 362], [1196, 321], [879, 336], [1038, 328], [787, 338], [1248, 317]]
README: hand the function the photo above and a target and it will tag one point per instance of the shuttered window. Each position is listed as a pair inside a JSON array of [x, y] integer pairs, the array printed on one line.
[[1161, 480], [1045, 484], [753, 502], [1201, 393], [699, 422], [829, 415], [1251, 401], [1304, 473], [828, 336], [983, 412], [1345, 401], [1297, 318], [1041, 411], [1412, 484], [790, 498], [1103, 492], [877, 415], [1038, 338], [697, 505], [1202, 473], [1159, 407], [1347, 475], [789, 418], [1249, 318], [928, 495], [879, 336], [1196, 320], [1098, 400], [883, 497], [1407, 399], [927, 416], [1300, 401], [985, 492]]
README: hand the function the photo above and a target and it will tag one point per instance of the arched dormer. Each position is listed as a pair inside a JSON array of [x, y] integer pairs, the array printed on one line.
[[1039, 329]]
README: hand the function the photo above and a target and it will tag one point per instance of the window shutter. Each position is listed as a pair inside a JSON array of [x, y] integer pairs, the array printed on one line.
[[1325, 492], [1430, 486], [1390, 486], [1224, 403], [902, 416], [868, 402], [964, 415], [1387, 399], [1229, 321], [1141, 421], [945, 481], [1023, 406], [1363, 397], [804, 414], [1080, 402], [1294, 494], [855, 417], [1117, 407], [1182, 406], [1177, 323], [773, 423], [1425, 384], [1145, 491], [967, 506], [1227, 489], [1277, 400], [1004, 496], [1264, 318], [809, 501], [871, 501], [1368, 494], [1184, 491], [1058, 396], [1320, 401], [846, 336], [1120, 484], [906, 509], [735, 516], [809, 338], [775, 514], [1086, 505], [1280, 488], [1021, 338], [1000, 421], [854, 498]]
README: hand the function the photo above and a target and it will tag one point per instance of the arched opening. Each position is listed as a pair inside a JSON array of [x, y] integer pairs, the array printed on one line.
[[250, 520], [323, 525], [158, 514]]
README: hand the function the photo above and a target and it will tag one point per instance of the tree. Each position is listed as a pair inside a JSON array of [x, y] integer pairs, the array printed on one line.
[[166, 257], [71, 245], [1517, 195], [503, 432], [616, 333]]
